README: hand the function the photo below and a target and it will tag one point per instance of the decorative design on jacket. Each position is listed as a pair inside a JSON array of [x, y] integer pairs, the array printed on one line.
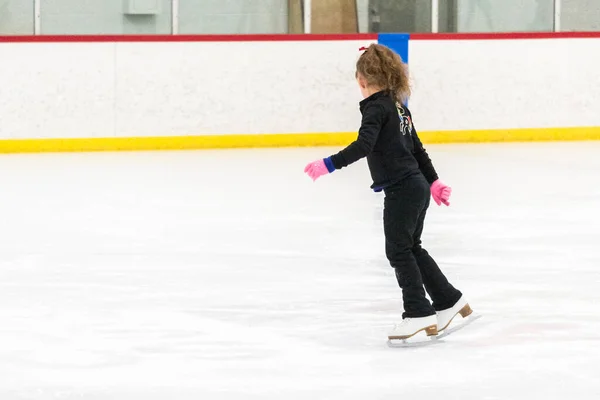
[[405, 121]]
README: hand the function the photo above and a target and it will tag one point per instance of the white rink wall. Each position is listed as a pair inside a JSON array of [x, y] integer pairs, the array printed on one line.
[[512, 84], [72, 90], [145, 89]]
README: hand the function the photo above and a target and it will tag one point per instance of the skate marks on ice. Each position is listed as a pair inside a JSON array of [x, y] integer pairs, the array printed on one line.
[[418, 341]]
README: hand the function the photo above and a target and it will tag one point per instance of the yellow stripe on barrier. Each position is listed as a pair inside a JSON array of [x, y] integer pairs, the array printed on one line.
[[174, 142], [512, 135], [285, 140]]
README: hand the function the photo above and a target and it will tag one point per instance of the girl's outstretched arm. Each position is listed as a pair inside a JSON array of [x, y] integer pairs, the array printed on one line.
[[371, 124]]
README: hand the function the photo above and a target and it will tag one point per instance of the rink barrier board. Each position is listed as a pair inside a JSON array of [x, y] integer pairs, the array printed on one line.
[[400, 42], [286, 140]]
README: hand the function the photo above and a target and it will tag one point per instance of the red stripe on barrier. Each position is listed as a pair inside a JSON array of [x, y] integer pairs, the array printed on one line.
[[503, 35], [184, 38]]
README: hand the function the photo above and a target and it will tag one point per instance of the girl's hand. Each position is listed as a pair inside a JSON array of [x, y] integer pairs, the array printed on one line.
[[440, 192], [319, 168]]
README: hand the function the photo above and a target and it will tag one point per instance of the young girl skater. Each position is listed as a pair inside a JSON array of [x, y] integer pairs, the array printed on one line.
[[401, 167]]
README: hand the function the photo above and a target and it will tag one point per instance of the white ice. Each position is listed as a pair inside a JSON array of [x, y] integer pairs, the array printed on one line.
[[231, 275]]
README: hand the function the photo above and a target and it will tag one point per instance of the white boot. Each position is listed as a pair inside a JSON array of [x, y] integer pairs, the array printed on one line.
[[446, 316], [411, 326]]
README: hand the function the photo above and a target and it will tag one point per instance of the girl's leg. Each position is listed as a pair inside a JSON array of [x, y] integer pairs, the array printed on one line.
[[441, 292], [402, 209]]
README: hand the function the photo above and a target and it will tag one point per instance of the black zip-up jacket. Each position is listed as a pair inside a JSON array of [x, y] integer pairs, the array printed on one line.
[[389, 140]]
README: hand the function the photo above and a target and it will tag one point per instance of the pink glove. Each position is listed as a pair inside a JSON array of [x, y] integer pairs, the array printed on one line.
[[319, 168], [440, 192]]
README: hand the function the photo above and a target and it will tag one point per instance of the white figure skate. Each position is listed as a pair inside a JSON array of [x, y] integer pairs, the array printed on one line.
[[409, 327], [445, 317]]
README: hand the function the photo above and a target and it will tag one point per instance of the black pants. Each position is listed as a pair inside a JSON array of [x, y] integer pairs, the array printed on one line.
[[404, 212]]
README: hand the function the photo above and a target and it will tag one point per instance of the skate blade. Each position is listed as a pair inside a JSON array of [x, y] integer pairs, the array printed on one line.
[[459, 325], [417, 339], [410, 342]]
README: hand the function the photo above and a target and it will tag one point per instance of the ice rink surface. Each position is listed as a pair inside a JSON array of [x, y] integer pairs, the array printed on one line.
[[230, 275]]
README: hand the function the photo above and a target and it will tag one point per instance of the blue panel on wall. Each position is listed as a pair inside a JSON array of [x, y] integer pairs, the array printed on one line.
[[397, 42]]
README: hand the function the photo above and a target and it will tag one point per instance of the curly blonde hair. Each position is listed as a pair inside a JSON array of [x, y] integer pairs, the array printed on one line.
[[383, 68]]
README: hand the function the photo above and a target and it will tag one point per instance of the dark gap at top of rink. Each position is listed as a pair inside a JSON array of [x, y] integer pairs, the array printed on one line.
[[289, 37], [503, 35], [185, 38]]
